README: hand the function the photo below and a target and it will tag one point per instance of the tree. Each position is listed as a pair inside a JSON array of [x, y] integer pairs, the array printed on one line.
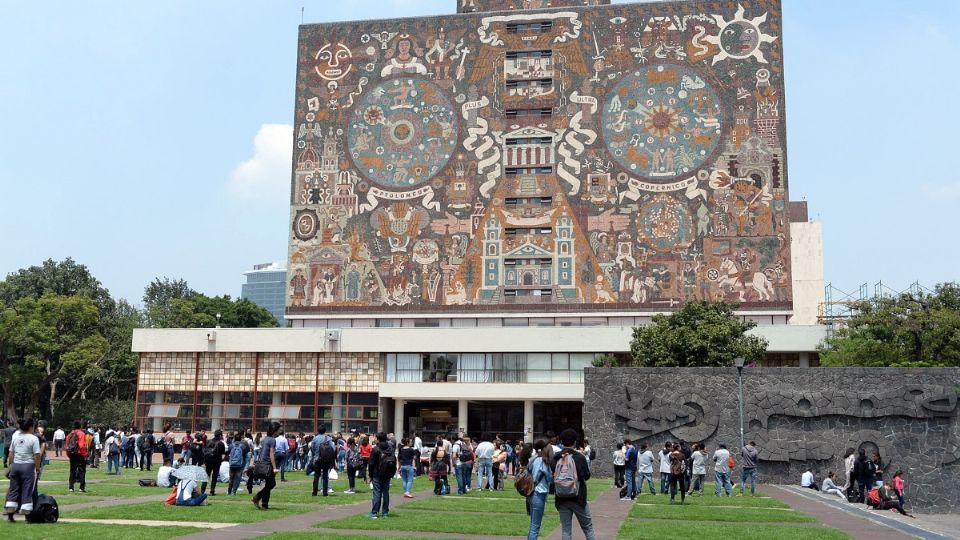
[[159, 297], [173, 304], [909, 330], [47, 341], [700, 334], [65, 278]]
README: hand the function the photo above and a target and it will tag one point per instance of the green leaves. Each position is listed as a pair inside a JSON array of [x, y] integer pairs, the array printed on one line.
[[909, 330], [701, 334]]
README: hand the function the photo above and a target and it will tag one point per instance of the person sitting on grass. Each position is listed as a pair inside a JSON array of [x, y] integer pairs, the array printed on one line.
[[188, 494], [163, 474], [831, 488]]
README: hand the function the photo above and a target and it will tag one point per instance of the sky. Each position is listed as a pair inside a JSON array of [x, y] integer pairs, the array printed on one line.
[[150, 139]]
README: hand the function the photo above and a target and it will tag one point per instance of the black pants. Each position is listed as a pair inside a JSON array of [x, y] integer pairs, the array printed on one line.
[[146, 458], [263, 496], [78, 471], [318, 474], [439, 483], [618, 475], [892, 503], [213, 470], [678, 481]]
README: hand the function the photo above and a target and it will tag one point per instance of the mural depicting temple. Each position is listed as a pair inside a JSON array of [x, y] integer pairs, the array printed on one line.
[[543, 156]]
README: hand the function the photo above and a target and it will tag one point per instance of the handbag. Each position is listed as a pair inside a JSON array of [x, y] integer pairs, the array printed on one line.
[[262, 469]]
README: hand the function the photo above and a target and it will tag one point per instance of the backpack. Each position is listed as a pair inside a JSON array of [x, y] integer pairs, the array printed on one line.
[[593, 454], [388, 466], [128, 444], [354, 459], [873, 497], [327, 457], [114, 448], [730, 463], [210, 452], [565, 480], [236, 454], [678, 466], [524, 483], [466, 454], [196, 447], [72, 444], [871, 468], [146, 443], [45, 510]]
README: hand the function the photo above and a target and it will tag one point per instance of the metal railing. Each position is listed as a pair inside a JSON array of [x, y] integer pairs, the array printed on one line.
[[485, 375]]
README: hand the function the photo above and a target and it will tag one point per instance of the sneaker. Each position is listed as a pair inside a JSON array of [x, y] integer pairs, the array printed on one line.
[[71, 490], [408, 495], [82, 490], [330, 490], [372, 516], [625, 499], [349, 491], [386, 515]]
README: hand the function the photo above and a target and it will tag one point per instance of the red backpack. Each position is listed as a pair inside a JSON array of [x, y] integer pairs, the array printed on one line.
[[873, 497]]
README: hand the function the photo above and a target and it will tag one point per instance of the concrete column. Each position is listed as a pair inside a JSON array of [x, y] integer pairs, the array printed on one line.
[[398, 428], [528, 420], [157, 422], [276, 402], [216, 412], [462, 416], [804, 359], [338, 414]]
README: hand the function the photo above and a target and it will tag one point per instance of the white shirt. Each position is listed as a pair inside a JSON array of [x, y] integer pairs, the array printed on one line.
[[163, 476], [664, 462], [24, 446], [418, 444], [223, 475], [619, 459], [720, 458], [806, 480], [59, 435], [484, 450]]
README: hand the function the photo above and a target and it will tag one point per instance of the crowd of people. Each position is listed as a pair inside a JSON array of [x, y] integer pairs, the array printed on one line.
[[553, 464]]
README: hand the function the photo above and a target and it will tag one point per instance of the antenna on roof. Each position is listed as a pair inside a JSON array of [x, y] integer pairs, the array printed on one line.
[[301, 14]]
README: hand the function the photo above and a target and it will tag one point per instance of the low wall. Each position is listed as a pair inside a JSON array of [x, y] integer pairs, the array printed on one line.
[[799, 417]]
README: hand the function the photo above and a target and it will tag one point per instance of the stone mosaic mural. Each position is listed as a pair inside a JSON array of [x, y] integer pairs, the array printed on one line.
[[625, 157], [798, 417]]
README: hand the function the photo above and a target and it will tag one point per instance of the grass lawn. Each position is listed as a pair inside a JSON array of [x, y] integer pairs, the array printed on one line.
[[93, 531], [326, 536], [633, 529], [713, 513], [445, 522], [232, 510]]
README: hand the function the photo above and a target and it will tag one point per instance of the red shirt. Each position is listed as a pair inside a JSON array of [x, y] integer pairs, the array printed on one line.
[[365, 450], [81, 441]]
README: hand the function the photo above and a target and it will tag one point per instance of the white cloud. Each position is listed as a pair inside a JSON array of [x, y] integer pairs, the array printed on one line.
[[267, 173], [944, 192]]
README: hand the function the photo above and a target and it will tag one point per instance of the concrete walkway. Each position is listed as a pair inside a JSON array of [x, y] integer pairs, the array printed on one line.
[[608, 513], [853, 519], [150, 523]]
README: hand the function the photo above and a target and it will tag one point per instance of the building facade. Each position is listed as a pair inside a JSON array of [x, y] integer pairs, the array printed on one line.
[[266, 286], [483, 203]]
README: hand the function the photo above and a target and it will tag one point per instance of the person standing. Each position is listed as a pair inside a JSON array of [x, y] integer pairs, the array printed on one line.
[[113, 454], [484, 456], [439, 469], [324, 452], [282, 448], [239, 457], [864, 471], [748, 469], [570, 476], [383, 465], [58, 437], [699, 468], [678, 473], [539, 465], [849, 460], [664, 456], [25, 457], [619, 466], [75, 447], [629, 469], [645, 460], [418, 448], [146, 449], [212, 458], [6, 439], [407, 470], [268, 454], [721, 467]]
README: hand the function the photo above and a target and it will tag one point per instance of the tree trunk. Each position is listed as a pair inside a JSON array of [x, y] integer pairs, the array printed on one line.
[[9, 403], [53, 398]]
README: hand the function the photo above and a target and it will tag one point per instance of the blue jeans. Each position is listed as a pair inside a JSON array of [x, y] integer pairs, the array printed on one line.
[[752, 473], [723, 478], [648, 477], [381, 496], [192, 501], [407, 473], [630, 476], [463, 477], [664, 482], [485, 469], [538, 504], [113, 463]]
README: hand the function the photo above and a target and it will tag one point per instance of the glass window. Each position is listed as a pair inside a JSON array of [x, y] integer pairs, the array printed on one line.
[[240, 398], [560, 361], [283, 412], [538, 367]]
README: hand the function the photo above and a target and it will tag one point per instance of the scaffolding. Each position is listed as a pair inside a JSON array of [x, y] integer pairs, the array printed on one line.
[[840, 305]]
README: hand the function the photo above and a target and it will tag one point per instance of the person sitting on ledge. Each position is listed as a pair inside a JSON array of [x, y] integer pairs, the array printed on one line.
[[830, 487], [807, 480], [889, 501]]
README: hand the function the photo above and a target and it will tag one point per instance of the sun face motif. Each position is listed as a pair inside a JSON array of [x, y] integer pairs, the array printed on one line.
[[740, 37], [662, 121]]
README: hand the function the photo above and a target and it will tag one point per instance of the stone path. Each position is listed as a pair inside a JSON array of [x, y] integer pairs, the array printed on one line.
[[608, 512], [150, 523], [852, 519]]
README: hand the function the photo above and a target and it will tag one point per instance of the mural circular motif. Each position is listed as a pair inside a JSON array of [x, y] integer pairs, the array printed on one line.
[[402, 133], [666, 224], [662, 122], [305, 224]]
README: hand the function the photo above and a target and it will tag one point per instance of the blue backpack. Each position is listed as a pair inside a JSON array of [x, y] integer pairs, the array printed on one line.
[[236, 454]]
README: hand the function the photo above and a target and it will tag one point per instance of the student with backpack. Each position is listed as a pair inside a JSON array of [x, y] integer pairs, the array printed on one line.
[[113, 454], [383, 465], [212, 457], [570, 475], [864, 471], [238, 456], [678, 473], [354, 465], [538, 464], [146, 449], [324, 452], [76, 449]]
